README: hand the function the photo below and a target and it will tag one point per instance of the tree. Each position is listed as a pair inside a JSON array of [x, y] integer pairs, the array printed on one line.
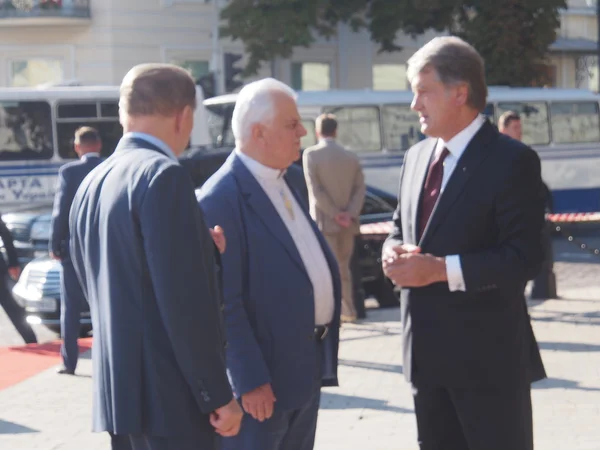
[[513, 36]]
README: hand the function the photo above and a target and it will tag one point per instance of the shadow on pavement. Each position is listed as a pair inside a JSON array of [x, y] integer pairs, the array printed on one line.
[[588, 318], [560, 383], [340, 401], [13, 428], [569, 346], [372, 366]]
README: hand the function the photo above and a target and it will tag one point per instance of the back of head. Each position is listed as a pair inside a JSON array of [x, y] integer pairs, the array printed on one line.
[[87, 140], [156, 90], [455, 61], [506, 118], [256, 104], [326, 125]]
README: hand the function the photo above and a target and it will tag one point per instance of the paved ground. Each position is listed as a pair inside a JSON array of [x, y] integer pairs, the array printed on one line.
[[373, 407]]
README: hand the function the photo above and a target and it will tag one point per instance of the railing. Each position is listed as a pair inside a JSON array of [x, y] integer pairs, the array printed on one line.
[[27, 9]]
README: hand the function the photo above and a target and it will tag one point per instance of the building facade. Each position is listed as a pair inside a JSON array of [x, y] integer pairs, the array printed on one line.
[[98, 41]]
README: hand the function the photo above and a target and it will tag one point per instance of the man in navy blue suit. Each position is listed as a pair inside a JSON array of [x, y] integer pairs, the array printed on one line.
[[147, 264], [281, 282], [70, 176]]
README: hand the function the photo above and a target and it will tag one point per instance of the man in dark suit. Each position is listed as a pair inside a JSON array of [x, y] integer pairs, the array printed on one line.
[[467, 236], [146, 262], [72, 300], [11, 267], [281, 282]]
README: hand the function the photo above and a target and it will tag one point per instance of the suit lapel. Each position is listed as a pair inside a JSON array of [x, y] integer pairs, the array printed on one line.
[[257, 199], [475, 153], [418, 180]]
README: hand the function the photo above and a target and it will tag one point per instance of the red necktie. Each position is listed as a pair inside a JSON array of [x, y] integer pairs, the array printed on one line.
[[431, 189]]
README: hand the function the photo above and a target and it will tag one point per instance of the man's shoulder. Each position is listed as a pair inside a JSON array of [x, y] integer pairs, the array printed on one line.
[[510, 149], [221, 185]]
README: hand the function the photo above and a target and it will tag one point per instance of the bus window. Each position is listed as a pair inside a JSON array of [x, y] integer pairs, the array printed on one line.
[[574, 122], [74, 115], [25, 131], [358, 127], [311, 137], [109, 109], [534, 119], [401, 127]]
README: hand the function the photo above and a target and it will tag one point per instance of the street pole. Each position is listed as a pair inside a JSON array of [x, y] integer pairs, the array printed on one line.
[[217, 54], [598, 44]]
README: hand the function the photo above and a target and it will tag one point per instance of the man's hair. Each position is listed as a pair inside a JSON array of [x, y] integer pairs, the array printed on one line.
[[326, 125], [454, 61], [87, 136], [506, 118], [255, 104], [156, 89]]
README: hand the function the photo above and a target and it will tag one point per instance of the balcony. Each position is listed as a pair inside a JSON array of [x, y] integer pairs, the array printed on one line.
[[44, 12]]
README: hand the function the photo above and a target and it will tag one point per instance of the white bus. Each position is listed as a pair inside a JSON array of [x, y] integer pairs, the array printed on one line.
[[36, 136], [563, 125]]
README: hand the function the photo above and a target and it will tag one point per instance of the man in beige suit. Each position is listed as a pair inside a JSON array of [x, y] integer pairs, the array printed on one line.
[[336, 190]]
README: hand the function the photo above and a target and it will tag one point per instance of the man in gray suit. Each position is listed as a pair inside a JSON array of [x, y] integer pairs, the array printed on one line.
[[147, 265], [336, 189]]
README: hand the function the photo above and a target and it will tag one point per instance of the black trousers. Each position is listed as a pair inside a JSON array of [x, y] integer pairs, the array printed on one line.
[[15, 313], [474, 419]]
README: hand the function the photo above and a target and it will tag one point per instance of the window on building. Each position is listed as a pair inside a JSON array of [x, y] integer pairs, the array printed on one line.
[[389, 77], [25, 131], [358, 128], [534, 120], [35, 71], [575, 122], [196, 68], [311, 76]]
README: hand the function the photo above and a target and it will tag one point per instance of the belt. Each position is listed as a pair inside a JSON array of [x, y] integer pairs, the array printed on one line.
[[320, 332]]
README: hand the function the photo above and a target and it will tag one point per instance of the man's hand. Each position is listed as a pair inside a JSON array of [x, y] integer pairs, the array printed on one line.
[[416, 270], [227, 419], [343, 219], [218, 236], [392, 252], [14, 272], [259, 403]]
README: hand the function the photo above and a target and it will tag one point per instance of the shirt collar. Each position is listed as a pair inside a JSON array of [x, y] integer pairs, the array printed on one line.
[[154, 141], [326, 139], [458, 144], [90, 155], [258, 169]]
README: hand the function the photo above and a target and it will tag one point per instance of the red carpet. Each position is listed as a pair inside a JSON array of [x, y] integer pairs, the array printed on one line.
[[19, 363]]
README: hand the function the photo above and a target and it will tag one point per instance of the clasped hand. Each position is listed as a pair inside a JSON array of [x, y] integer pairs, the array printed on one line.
[[407, 266]]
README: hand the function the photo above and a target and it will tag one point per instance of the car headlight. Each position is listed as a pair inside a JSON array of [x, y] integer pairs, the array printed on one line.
[[40, 231]]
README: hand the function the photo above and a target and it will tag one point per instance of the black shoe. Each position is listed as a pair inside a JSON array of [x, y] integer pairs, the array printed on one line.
[[64, 371]]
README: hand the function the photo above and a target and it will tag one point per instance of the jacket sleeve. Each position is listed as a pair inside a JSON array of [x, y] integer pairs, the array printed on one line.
[[9, 245], [180, 260], [519, 218], [395, 237], [60, 216], [359, 189], [245, 362], [316, 188]]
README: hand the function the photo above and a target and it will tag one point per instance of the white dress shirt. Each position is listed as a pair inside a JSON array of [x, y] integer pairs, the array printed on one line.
[[296, 222], [456, 147]]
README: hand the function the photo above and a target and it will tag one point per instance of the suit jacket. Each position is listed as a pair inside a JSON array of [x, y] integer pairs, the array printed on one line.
[[335, 183], [70, 177], [269, 305], [491, 213], [9, 247], [146, 262]]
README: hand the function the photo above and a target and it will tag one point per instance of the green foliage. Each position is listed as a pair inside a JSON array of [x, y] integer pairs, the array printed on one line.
[[513, 36]]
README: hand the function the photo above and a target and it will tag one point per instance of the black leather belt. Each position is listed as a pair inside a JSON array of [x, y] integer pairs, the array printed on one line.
[[320, 332]]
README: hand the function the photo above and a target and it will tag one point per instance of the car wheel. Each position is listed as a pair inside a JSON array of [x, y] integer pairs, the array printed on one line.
[[84, 331]]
